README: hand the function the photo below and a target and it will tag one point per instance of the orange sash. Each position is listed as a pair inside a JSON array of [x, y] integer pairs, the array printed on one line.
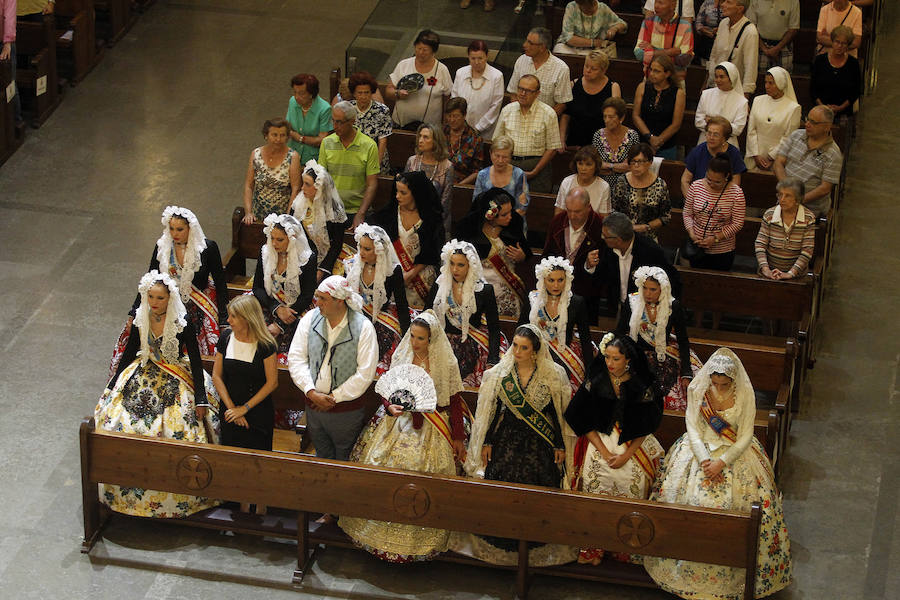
[[716, 423], [385, 318], [569, 358], [440, 424], [406, 263], [178, 371], [648, 465], [199, 298], [511, 279]]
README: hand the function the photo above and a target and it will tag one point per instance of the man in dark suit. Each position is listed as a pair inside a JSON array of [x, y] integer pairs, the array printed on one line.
[[623, 253], [573, 234]]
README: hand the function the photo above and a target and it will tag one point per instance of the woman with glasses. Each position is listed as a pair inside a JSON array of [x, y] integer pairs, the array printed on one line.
[[713, 214], [641, 194], [836, 80]]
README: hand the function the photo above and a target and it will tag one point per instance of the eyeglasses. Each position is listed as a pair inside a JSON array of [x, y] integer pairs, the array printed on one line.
[[639, 161], [814, 122], [608, 237], [526, 90], [341, 121]]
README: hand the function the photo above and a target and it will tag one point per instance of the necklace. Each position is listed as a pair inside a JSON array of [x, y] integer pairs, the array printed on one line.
[[618, 379], [158, 318], [420, 360], [472, 83]]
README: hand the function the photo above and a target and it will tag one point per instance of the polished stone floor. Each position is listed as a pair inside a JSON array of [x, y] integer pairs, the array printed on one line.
[[169, 117]]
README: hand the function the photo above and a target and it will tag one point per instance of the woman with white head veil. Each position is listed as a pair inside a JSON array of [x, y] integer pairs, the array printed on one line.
[[726, 99], [374, 272], [719, 463], [194, 262], [460, 298], [655, 320], [556, 311], [773, 116], [321, 210], [616, 413], [159, 390], [417, 441], [285, 278], [520, 436]]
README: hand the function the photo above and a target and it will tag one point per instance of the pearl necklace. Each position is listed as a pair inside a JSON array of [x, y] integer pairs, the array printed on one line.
[[472, 83]]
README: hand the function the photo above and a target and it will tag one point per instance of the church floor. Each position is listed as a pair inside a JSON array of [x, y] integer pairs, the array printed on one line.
[[169, 117]]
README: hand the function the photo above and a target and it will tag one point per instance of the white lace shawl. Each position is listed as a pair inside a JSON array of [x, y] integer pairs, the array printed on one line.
[[548, 377], [196, 244], [725, 362], [663, 310], [474, 283], [175, 317], [298, 254], [444, 368], [327, 206], [538, 297], [386, 262]]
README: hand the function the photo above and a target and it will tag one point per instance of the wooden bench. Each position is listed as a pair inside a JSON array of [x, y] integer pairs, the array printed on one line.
[[114, 19], [78, 55], [9, 141], [246, 242], [305, 486], [36, 75]]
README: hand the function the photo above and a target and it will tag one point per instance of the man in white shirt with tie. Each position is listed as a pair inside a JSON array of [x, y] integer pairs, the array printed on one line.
[[332, 359]]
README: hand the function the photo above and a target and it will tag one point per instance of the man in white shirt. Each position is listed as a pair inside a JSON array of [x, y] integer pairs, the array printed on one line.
[[332, 359], [777, 22], [552, 72], [737, 42], [624, 253]]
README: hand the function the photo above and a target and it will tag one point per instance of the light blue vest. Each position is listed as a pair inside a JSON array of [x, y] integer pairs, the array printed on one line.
[[343, 352]]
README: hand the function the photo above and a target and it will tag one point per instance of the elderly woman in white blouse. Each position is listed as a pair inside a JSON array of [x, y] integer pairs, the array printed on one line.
[[773, 117], [482, 87], [726, 99]]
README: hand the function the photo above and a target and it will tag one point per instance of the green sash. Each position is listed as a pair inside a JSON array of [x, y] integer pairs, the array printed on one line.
[[516, 400]]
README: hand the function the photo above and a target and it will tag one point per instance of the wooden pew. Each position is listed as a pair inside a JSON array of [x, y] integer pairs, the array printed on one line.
[[114, 19], [302, 485], [246, 242], [77, 56], [36, 75], [9, 141]]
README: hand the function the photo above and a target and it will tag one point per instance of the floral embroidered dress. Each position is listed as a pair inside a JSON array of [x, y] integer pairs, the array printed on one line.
[[748, 478], [509, 300], [467, 155], [271, 187], [473, 353], [666, 370], [388, 335], [156, 399], [415, 294]]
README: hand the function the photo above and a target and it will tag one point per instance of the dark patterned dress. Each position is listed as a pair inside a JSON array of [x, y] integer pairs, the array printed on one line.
[[271, 187]]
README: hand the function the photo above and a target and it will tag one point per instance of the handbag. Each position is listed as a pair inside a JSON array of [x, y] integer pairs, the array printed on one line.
[[690, 251]]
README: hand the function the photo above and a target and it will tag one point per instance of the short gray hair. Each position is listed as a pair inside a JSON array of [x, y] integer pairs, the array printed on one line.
[[744, 3], [347, 109], [619, 225], [544, 35], [579, 192], [792, 183], [503, 142], [826, 111]]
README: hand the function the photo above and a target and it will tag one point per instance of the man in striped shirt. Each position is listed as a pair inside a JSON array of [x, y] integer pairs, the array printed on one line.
[[665, 32]]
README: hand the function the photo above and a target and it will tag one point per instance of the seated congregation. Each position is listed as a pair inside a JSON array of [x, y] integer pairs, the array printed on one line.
[[533, 329]]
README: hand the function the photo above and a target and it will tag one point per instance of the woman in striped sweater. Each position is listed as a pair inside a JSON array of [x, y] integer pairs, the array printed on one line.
[[713, 214], [787, 234]]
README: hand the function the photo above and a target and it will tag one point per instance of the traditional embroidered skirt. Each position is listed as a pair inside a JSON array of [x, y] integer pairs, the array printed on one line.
[[668, 374], [509, 303], [472, 354], [149, 401], [631, 480], [393, 442], [749, 479], [207, 330], [413, 297], [387, 331]]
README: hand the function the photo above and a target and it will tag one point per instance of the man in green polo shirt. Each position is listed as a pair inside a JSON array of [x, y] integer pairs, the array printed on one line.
[[351, 158]]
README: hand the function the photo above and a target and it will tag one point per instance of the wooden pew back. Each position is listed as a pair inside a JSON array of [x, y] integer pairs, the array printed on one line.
[[36, 47]]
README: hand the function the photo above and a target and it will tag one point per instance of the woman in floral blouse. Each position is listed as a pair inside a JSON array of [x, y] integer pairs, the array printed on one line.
[[614, 141], [465, 145], [641, 194], [374, 118]]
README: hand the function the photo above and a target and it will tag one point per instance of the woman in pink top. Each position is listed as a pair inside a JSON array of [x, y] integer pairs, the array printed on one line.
[[713, 214]]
